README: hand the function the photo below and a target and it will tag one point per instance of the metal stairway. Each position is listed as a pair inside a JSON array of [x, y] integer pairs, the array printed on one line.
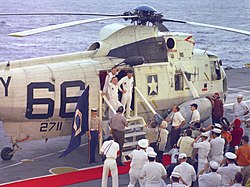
[[133, 132]]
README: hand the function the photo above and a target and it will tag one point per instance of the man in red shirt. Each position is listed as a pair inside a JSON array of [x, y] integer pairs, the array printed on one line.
[[237, 134], [218, 110]]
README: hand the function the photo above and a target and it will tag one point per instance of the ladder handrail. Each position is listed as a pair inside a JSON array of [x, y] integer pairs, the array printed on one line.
[[104, 97], [107, 101], [145, 100], [189, 83]]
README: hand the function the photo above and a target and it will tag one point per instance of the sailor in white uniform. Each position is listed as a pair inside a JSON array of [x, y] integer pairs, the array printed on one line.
[[110, 149], [228, 172], [217, 146], [186, 170], [203, 149], [175, 179], [139, 159], [240, 108], [153, 172], [127, 83], [211, 179]]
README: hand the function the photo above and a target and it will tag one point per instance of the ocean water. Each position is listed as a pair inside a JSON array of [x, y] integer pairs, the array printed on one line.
[[232, 48]]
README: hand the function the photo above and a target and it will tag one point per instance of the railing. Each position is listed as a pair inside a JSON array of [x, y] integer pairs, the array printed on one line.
[[103, 97], [144, 99], [137, 93], [189, 83]]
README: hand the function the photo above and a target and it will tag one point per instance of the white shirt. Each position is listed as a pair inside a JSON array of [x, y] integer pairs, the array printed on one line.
[[112, 151], [195, 116], [187, 172], [240, 108], [236, 185], [163, 139], [174, 153], [127, 84], [108, 79], [176, 184], [184, 143], [177, 119], [211, 179], [153, 171], [228, 173], [203, 150], [217, 149], [113, 92], [139, 159]]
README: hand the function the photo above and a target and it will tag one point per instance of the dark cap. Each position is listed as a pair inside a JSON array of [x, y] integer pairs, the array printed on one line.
[[130, 71], [194, 105]]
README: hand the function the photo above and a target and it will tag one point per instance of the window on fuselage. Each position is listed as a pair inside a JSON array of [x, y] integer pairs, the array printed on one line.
[[179, 81], [215, 70]]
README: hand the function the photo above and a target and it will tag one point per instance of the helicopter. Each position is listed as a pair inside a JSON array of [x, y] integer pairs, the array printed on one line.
[[38, 95]]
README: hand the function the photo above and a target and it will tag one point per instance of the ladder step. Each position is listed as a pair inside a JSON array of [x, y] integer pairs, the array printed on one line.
[[135, 134], [134, 126], [125, 153], [134, 118], [129, 144]]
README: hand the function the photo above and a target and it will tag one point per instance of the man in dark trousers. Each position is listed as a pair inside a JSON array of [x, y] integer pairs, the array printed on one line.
[[117, 124], [94, 134], [178, 121]]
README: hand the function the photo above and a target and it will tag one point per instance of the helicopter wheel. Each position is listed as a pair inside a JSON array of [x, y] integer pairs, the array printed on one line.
[[6, 153]]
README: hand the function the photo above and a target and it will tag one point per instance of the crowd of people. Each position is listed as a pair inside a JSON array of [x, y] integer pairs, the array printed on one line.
[[214, 155]]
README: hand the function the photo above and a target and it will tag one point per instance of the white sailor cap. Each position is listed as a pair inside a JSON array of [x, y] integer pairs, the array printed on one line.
[[205, 134], [217, 125], [216, 130], [214, 164], [149, 149], [230, 155], [94, 109], [152, 154], [247, 120], [143, 143], [175, 174], [182, 155], [240, 96], [164, 124]]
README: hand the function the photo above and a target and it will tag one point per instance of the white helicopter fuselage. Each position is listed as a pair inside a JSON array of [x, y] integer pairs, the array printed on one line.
[[38, 96]]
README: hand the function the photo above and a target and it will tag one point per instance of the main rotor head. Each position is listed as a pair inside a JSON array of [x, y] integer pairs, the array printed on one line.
[[143, 15]]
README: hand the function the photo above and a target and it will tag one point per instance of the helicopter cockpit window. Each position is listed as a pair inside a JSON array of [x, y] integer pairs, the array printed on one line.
[[152, 49], [215, 70], [179, 81]]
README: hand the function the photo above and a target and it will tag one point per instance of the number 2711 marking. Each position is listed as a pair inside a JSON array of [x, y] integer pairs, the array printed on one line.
[[48, 126]]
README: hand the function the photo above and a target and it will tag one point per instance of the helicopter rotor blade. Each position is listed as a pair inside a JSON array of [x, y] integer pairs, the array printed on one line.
[[57, 14], [210, 26], [63, 25]]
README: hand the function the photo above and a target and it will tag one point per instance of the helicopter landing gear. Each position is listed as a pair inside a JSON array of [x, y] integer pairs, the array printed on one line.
[[7, 153]]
